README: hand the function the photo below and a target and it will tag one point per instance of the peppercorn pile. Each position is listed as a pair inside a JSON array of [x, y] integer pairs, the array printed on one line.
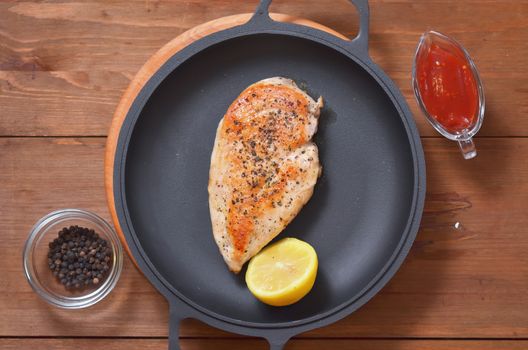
[[78, 257]]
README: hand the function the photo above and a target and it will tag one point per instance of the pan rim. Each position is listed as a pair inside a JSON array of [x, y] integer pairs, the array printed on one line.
[[354, 302]]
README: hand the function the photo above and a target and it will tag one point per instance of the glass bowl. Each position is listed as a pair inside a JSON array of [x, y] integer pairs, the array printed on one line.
[[41, 278]]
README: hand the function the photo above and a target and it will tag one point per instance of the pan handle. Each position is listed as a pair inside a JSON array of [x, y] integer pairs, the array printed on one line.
[[261, 18], [177, 312], [175, 318], [277, 339]]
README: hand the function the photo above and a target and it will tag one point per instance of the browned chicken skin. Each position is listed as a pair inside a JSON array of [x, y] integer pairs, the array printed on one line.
[[263, 167]]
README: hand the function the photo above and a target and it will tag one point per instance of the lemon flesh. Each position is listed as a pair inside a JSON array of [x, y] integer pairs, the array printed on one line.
[[282, 273]]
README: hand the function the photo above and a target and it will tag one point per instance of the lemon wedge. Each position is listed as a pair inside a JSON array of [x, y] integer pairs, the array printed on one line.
[[282, 273]]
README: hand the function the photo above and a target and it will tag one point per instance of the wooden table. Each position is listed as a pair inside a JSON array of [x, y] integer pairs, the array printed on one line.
[[64, 66]]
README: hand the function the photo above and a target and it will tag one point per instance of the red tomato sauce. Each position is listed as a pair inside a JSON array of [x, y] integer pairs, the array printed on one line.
[[447, 85]]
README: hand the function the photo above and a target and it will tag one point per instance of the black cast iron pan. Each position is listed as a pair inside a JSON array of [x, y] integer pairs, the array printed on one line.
[[366, 208]]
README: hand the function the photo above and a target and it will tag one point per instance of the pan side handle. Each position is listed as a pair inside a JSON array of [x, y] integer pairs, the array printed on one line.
[[261, 19], [277, 339], [178, 311], [277, 346], [361, 40], [175, 319]]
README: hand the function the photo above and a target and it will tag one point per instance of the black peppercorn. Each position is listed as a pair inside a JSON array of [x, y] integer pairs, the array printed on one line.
[[79, 257]]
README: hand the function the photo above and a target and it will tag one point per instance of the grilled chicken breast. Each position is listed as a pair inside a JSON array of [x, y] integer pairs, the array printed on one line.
[[263, 167]]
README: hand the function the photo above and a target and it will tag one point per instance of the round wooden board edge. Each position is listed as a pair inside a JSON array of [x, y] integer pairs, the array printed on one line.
[[146, 72]]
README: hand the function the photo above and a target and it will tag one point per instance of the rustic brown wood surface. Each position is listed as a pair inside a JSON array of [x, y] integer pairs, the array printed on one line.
[[244, 344], [469, 282], [63, 69], [79, 56]]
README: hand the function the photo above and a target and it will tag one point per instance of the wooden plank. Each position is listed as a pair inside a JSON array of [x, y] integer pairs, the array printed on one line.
[[260, 344], [69, 62], [469, 281], [59, 102]]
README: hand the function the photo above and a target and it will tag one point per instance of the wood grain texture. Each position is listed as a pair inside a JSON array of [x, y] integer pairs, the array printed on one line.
[[469, 281], [64, 65], [240, 344]]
